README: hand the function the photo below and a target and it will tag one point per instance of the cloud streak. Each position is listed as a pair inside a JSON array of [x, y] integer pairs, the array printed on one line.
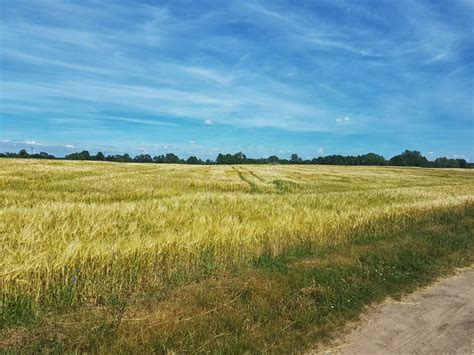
[[390, 67]]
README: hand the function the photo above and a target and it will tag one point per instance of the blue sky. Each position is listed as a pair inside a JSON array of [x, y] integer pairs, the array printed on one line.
[[262, 77]]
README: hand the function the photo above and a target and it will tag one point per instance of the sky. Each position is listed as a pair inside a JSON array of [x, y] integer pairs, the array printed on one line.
[[262, 77]]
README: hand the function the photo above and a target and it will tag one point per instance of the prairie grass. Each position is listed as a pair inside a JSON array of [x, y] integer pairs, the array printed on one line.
[[91, 233]]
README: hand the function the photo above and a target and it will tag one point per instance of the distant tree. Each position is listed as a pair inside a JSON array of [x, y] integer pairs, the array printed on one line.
[[143, 158], [171, 158], [125, 158], [332, 160], [295, 158], [444, 162], [462, 163], [220, 158], [159, 159], [239, 158], [43, 155], [409, 158], [119, 158], [273, 159], [84, 155], [193, 160], [100, 156], [225, 159], [228, 159], [371, 159]]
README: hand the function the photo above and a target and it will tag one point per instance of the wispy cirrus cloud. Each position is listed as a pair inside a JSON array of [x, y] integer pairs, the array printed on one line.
[[209, 74], [259, 65]]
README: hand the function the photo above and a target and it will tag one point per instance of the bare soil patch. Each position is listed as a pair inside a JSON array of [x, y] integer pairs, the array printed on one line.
[[436, 320]]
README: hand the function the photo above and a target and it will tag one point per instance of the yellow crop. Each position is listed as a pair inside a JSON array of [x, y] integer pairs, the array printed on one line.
[[113, 225]]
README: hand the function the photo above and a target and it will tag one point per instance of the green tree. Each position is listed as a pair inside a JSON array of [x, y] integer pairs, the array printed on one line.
[[371, 159], [409, 158], [171, 158], [23, 153], [239, 158], [159, 159], [100, 156], [193, 160], [295, 158], [273, 159], [143, 158], [84, 155]]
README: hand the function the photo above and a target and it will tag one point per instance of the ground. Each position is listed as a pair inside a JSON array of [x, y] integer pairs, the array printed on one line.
[[436, 320]]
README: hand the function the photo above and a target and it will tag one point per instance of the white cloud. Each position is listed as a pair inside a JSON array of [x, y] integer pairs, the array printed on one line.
[[32, 143], [208, 74], [139, 121], [33, 59], [437, 58], [343, 120], [69, 146], [190, 89], [192, 142]]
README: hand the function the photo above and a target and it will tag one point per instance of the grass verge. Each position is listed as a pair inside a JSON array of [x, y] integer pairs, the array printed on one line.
[[283, 304]]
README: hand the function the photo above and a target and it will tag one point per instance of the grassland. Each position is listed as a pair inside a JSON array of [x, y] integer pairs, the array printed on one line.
[[141, 257]]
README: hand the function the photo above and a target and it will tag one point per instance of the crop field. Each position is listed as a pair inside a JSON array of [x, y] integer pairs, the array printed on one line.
[[81, 237]]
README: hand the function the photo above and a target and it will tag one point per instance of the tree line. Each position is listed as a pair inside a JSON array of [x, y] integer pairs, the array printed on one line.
[[407, 158]]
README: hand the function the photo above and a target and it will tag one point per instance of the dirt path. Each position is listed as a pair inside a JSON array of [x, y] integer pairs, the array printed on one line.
[[436, 320]]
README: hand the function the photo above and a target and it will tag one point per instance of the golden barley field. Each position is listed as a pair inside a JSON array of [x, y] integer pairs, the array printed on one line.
[[114, 226]]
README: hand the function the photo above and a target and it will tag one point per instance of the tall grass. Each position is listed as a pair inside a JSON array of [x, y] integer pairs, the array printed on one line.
[[79, 231]]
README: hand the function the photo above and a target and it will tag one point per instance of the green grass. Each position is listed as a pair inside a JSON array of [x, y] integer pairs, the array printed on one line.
[[283, 303]]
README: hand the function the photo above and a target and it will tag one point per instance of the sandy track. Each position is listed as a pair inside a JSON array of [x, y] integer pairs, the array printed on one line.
[[435, 320]]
